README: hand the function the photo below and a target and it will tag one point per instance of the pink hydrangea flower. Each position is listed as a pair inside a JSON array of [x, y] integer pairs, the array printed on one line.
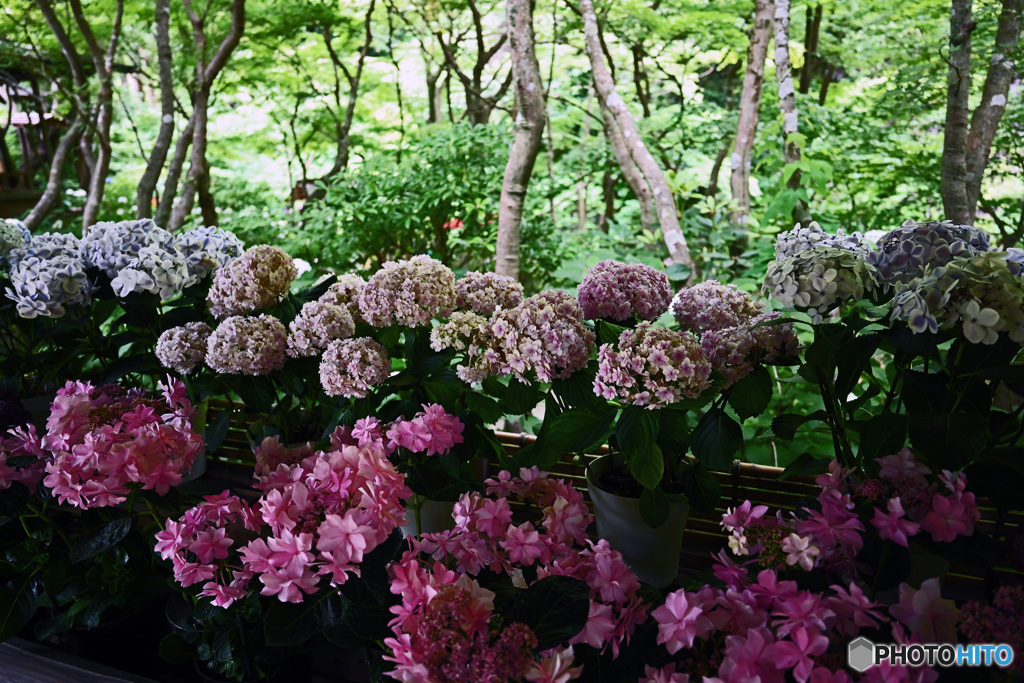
[[652, 367], [410, 292], [316, 325], [247, 345], [183, 348], [619, 291], [259, 278], [484, 293], [351, 367], [926, 613]]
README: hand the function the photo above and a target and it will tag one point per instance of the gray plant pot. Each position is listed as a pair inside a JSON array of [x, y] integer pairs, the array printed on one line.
[[653, 554]]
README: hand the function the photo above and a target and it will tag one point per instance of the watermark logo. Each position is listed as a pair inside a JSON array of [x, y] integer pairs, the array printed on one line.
[[862, 654]]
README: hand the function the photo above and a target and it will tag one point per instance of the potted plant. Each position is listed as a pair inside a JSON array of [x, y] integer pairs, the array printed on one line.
[[77, 500], [917, 338], [519, 595], [263, 583]]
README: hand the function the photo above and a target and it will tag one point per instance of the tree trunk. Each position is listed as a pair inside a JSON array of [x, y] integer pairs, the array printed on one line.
[[50, 195], [206, 74], [989, 111], [616, 109], [750, 104], [716, 168], [206, 203], [170, 193], [103, 61], [812, 32], [529, 130], [639, 79], [787, 102], [958, 90], [157, 158], [630, 171]]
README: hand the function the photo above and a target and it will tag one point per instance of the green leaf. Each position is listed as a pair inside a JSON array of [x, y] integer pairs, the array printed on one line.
[[520, 398], [654, 506], [751, 395], [257, 393], [784, 426], [575, 430], [805, 465], [577, 390], [647, 467], [883, 434], [555, 608], [17, 605], [673, 433], [702, 489], [288, 624], [100, 539], [608, 333], [489, 410], [948, 441], [175, 649], [716, 439], [217, 430]]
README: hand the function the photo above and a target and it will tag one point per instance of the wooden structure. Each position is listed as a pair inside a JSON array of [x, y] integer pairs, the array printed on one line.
[[233, 464], [37, 133]]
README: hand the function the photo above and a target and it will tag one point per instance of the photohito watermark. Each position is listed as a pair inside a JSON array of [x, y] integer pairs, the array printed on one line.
[[862, 654]]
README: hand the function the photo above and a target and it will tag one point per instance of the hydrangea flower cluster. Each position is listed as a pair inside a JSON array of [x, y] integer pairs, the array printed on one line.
[[619, 291], [45, 246], [208, 249], [13, 235], [346, 292], [998, 622], [456, 637], [259, 278], [351, 367], [409, 292], [712, 305], [45, 285], [113, 246], [820, 279], [903, 503], [247, 345], [544, 335], [158, 269], [485, 537], [484, 293], [104, 438], [979, 293], [652, 367], [467, 332], [182, 348], [431, 431], [792, 242], [314, 523], [769, 629], [736, 351], [906, 252], [316, 325], [18, 442]]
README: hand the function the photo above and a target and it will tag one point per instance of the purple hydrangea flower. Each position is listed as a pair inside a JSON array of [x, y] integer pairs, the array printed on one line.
[[247, 345], [183, 348], [257, 279], [652, 367], [712, 305], [409, 292], [483, 293], [618, 291], [351, 367], [316, 325]]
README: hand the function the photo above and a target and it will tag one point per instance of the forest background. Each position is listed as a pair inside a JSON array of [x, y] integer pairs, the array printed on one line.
[[355, 132]]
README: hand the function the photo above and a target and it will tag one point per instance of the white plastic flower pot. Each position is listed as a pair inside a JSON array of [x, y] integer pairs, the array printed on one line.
[[427, 516], [653, 554], [198, 468]]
